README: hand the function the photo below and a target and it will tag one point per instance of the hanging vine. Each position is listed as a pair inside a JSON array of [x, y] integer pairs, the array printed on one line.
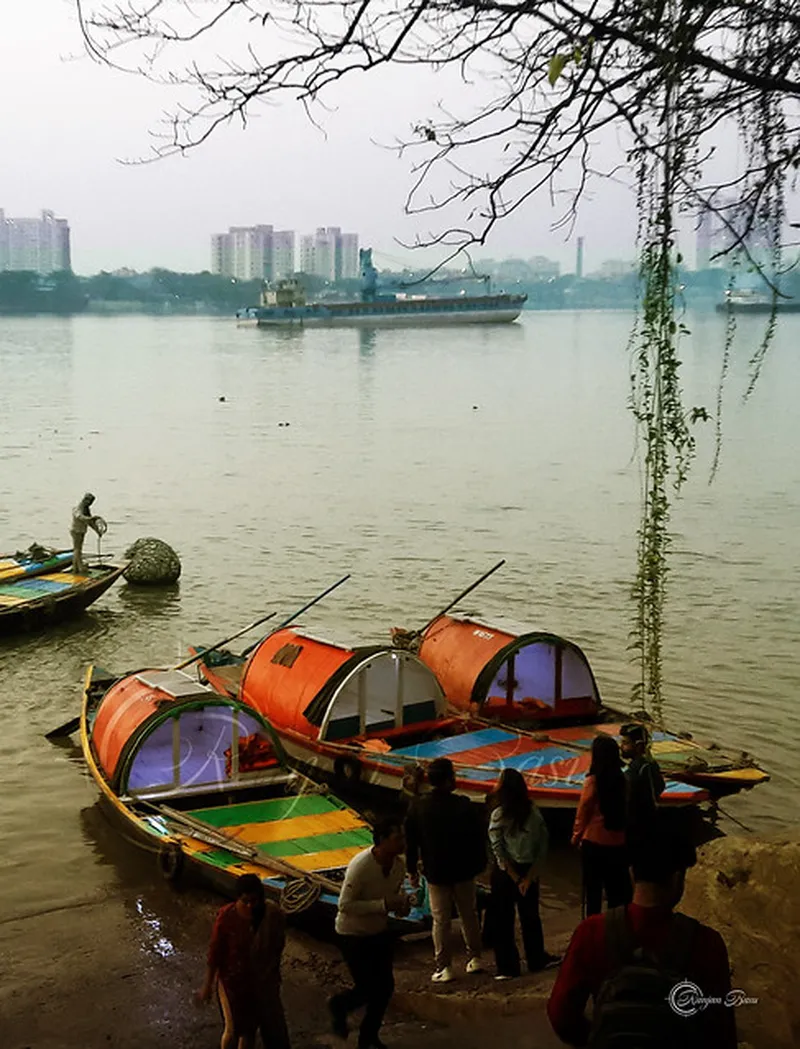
[[674, 77]]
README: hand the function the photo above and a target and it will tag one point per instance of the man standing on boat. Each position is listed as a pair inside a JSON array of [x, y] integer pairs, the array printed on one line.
[[372, 888], [83, 519]]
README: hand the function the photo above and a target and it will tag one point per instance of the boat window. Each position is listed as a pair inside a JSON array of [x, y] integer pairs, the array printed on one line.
[[390, 690], [201, 748]]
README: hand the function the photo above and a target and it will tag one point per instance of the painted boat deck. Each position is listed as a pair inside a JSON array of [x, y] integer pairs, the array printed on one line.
[[480, 756], [311, 831], [33, 588]]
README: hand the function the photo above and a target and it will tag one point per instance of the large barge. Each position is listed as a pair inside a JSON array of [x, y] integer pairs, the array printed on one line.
[[286, 306]]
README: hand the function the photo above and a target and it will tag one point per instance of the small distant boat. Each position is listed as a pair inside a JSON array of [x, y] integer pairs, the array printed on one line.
[[544, 684], [34, 600], [35, 561], [370, 716], [749, 300], [201, 780]]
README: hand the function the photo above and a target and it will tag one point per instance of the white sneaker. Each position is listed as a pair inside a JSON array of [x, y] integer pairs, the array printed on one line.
[[474, 965], [443, 975]]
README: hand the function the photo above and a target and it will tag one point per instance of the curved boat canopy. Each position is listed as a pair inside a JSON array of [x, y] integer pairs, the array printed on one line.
[[534, 676], [328, 692], [160, 732]]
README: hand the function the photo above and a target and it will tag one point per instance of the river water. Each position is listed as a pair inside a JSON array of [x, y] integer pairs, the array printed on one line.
[[275, 462]]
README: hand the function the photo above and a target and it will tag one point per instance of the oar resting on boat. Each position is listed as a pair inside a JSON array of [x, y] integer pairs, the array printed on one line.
[[214, 836]]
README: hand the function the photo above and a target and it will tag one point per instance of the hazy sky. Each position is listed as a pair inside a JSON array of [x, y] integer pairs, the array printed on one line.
[[68, 122]]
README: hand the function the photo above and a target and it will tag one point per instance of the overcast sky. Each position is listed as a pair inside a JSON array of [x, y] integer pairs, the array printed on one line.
[[67, 123]]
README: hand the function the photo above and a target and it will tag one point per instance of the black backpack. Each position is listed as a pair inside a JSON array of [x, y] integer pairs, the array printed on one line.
[[632, 1009]]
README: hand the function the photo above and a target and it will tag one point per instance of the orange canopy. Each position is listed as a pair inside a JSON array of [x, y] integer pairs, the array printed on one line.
[[124, 709], [324, 691], [531, 675], [285, 673]]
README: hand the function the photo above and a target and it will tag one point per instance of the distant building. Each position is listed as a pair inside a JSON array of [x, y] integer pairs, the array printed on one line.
[[330, 254], [253, 253], [612, 269], [542, 268], [41, 245]]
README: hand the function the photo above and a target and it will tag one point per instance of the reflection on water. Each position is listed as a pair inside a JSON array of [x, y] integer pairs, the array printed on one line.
[[153, 601], [414, 459]]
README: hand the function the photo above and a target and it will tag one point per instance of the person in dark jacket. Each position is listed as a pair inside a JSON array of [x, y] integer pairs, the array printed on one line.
[[659, 877], [445, 832], [644, 786]]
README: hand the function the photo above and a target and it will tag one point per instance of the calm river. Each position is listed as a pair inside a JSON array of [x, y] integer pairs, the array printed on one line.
[[276, 462]]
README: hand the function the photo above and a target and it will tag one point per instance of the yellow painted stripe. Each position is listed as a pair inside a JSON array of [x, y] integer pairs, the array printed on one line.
[[65, 577], [321, 861], [8, 601], [745, 775], [296, 827], [316, 861], [669, 746]]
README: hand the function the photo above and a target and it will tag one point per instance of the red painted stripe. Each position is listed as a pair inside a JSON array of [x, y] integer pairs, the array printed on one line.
[[496, 751]]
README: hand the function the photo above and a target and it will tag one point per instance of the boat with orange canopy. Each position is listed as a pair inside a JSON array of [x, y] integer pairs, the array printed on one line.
[[201, 779], [543, 684], [377, 715]]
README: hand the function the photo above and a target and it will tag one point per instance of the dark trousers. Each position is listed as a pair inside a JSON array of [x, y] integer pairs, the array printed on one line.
[[605, 869], [272, 1020], [369, 959], [507, 901]]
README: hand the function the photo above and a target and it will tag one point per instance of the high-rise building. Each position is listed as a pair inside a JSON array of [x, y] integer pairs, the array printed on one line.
[[330, 254], [253, 253], [41, 245], [579, 258]]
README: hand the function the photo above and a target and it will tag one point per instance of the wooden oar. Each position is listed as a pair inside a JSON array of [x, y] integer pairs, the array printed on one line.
[[73, 724], [225, 641], [296, 614], [223, 840], [461, 596]]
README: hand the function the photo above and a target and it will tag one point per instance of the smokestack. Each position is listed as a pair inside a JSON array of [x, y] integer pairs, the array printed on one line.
[[579, 259]]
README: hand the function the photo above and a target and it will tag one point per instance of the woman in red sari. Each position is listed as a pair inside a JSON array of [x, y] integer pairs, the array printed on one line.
[[244, 961]]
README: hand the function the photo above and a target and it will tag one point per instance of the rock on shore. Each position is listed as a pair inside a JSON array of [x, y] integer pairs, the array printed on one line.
[[747, 889]]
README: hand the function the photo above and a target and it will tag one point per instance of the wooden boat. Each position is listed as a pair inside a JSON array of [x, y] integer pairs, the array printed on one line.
[[203, 781], [545, 685], [374, 715], [31, 602], [25, 565]]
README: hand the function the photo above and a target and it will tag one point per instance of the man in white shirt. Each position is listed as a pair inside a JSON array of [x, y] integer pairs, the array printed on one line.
[[372, 888]]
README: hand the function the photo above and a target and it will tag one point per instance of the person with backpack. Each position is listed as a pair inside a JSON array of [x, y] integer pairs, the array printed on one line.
[[599, 829], [518, 838], [446, 832], [644, 965], [644, 784]]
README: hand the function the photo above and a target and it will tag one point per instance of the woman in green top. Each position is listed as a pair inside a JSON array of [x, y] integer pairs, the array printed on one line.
[[518, 838]]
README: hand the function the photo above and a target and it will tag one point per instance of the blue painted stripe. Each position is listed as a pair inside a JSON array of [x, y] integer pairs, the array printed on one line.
[[467, 772], [565, 786], [674, 787], [440, 748]]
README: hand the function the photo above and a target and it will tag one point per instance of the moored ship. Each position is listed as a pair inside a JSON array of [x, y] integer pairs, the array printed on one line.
[[285, 305]]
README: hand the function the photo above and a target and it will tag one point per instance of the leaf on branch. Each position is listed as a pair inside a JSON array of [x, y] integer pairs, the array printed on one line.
[[556, 68], [698, 415]]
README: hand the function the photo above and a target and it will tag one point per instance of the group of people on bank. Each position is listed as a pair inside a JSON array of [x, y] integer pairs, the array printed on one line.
[[628, 853]]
